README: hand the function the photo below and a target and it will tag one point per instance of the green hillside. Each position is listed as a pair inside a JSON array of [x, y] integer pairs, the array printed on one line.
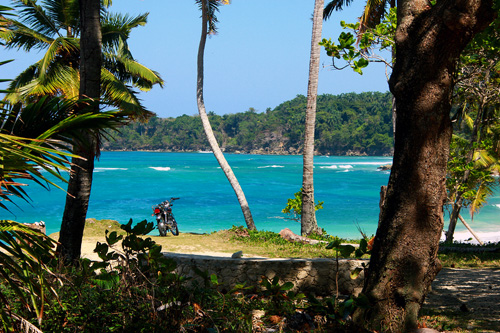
[[346, 124]]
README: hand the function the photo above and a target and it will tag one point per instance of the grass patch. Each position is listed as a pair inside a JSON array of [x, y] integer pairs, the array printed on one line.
[[470, 260]]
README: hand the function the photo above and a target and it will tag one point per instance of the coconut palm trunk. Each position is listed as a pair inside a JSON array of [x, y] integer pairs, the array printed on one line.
[[308, 218], [208, 128], [80, 182]]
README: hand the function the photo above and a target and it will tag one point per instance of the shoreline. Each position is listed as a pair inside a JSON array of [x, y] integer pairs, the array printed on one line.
[[485, 236], [243, 152]]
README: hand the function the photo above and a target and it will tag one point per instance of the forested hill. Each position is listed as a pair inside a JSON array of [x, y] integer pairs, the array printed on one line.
[[346, 124]]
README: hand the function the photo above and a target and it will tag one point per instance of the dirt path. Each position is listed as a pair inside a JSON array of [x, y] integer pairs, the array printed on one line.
[[473, 293]]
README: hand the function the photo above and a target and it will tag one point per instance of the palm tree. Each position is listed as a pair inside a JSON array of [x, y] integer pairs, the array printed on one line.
[[373, 13], [208, 9], [308, 217], [80, 184], [55, 27], [33, 140], [477, 92], [33, 143]]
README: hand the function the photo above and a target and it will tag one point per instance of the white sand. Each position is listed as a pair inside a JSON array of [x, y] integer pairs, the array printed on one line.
[[486, 237]]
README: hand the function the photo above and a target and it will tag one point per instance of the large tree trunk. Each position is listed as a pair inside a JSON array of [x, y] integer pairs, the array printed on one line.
[[308, 217], [80, 181], [208, 129], [404, 259]]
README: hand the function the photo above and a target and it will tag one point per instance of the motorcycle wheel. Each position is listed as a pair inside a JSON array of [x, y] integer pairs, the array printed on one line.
[[174, 229], [162, 228]]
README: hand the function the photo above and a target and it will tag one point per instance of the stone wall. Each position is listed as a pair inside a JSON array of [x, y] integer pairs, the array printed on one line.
[[307, 275]]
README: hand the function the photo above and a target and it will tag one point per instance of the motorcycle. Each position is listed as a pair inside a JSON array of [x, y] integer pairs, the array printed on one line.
[[165, 218]]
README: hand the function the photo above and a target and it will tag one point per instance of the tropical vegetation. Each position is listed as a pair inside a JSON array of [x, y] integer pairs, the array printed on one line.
[[34, 141], [136, 281], [55, 27], [347, 124]]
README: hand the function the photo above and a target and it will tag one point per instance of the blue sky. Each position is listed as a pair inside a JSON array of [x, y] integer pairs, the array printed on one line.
[[259, 58]]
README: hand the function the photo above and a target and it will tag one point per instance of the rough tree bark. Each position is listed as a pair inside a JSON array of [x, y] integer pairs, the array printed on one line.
[[404, 261], [208, 128], [80, 181], [308, 217]]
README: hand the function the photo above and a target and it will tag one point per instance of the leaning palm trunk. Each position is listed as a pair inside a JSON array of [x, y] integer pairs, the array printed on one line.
[[308, 218], [208, 129], [80, 181]]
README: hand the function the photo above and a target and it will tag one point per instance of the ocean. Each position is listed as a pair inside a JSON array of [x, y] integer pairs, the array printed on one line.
[[127, 184]]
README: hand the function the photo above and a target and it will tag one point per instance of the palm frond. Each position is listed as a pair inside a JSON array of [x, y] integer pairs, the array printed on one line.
[[212, 9], [60, 80], [23, 253], [19, 36], [58, 47], [24, 77], [483, 191], [469, 121], [373, 13], [122, 96], [66, 14], [35, 16], [335, 5], [484, 159], [129, 70], [116, 29]]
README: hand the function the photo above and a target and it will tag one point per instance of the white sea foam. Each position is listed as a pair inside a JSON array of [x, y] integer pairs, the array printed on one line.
[[328, 167], [372, 163], [108, 169], [160, 168], [347, 166], [271, 166], [498, 206]]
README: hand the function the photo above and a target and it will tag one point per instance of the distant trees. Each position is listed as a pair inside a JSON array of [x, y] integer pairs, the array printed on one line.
[[345, 124]]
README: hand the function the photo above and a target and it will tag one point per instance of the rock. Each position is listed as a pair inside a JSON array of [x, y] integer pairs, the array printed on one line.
[[237, 255], [426, 330], [291, 237], [288, 235], [38, 226], [257, 314], [385, 167]]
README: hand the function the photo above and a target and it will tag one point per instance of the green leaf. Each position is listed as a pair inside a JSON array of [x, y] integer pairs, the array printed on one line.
[[355, 273], [214, 279], [113, 238], [346, 250], [287, 286], [334, 244]]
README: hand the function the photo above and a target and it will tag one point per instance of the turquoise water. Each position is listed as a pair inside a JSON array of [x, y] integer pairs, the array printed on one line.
[[127, 184]]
